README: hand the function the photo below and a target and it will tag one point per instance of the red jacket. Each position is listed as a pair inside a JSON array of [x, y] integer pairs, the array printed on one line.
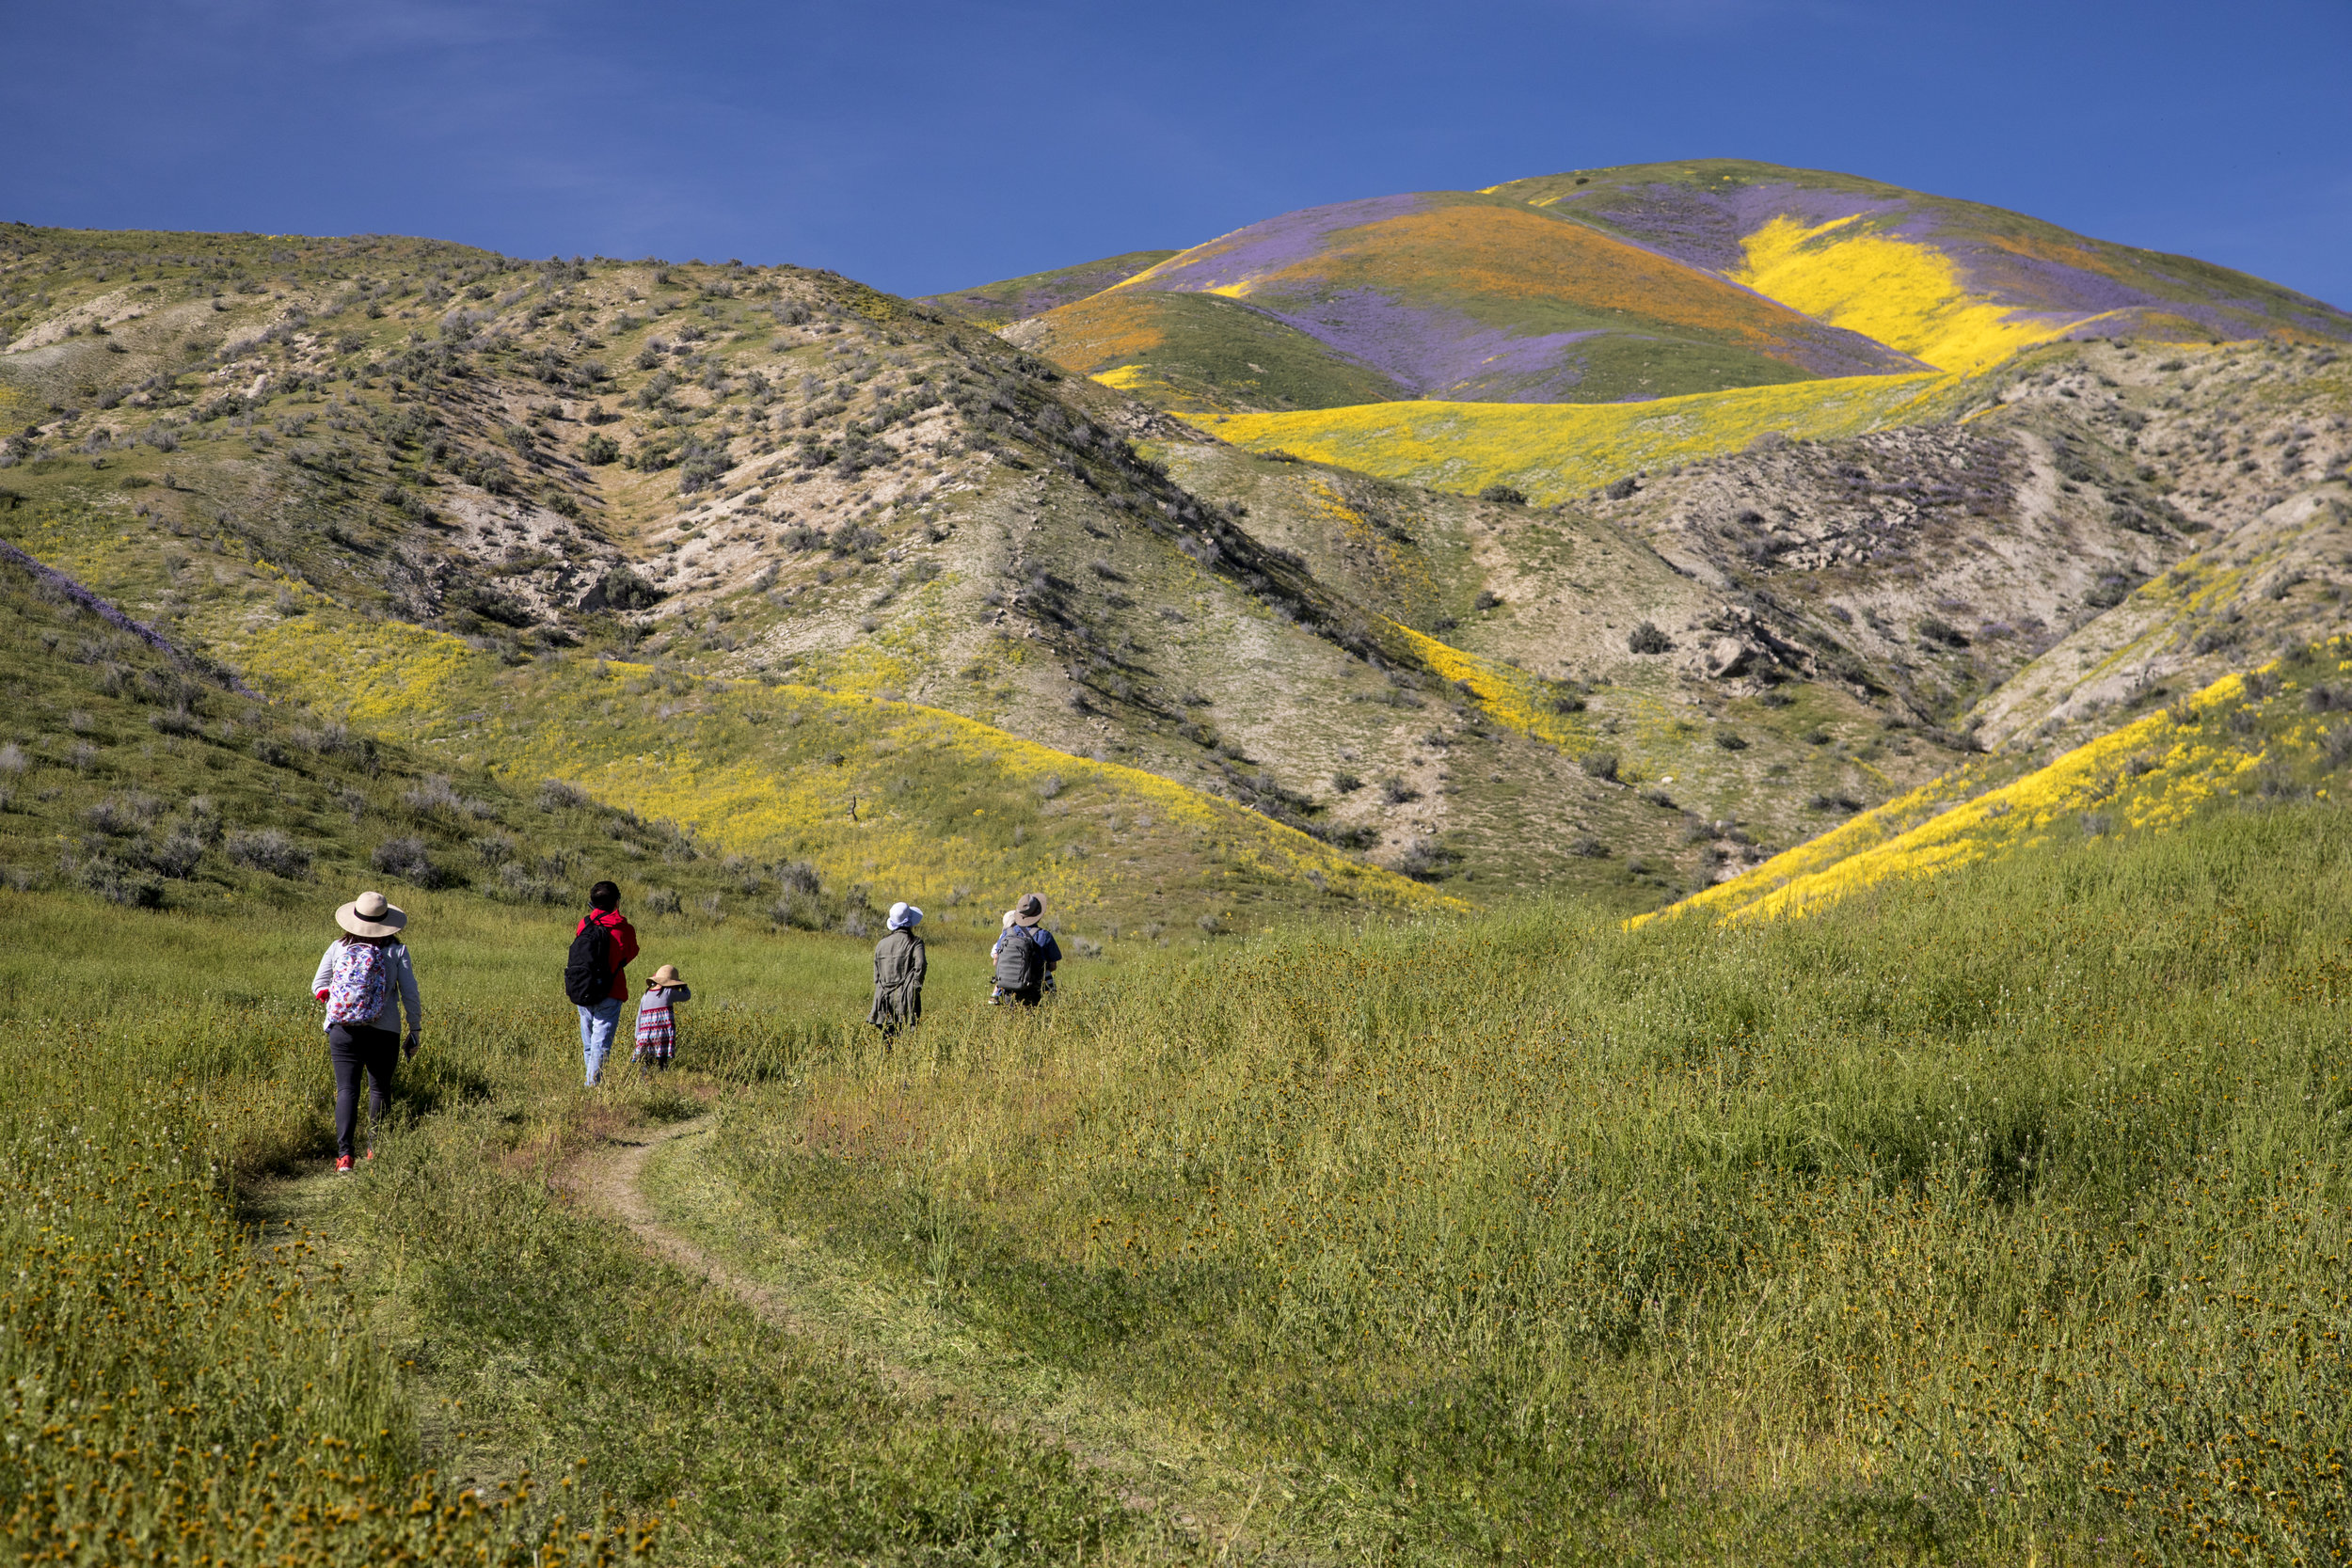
[[624, 945]]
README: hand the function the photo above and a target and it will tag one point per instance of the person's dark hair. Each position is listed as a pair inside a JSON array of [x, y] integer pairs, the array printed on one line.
[[353, 939], [604, 896]]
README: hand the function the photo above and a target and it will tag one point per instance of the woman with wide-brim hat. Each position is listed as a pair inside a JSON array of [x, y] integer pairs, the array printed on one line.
[[367, 981]]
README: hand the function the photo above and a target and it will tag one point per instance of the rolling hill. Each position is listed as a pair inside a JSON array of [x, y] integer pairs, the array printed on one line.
[[1449, 294], [1657, 281], [1495, 644]]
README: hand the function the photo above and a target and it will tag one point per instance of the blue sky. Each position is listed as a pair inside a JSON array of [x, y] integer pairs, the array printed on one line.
[[921, 146]]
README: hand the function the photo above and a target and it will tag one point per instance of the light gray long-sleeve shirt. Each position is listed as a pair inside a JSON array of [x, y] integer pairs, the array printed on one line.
[[401, 993]]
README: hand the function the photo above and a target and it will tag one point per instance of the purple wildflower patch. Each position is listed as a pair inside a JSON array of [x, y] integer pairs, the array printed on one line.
[[58, 583]]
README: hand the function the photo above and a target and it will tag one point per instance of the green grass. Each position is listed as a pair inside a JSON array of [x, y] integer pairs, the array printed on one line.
[[1000, 303], [1206, 352], [446, 1324], [1993, 1218], [2001, 1217]]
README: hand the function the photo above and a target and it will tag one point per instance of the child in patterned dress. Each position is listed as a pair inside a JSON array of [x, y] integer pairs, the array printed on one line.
[[656, 1020]]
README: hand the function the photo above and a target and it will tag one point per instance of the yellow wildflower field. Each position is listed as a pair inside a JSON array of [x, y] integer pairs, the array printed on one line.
[[913, 802], [2242, 732], [1552, 452]]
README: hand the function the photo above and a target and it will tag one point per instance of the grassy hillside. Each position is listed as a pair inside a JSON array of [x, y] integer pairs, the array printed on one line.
[[1015, 299], [774, 475], [1981, 1219], [2272, 734], [1957, 284], [1201, 351], [154, 781], [1979, 1223], [901, 800], [1011, 561]]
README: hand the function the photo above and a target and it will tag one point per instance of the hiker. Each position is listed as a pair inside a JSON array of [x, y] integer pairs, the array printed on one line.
[[596, 974], [366, 981], [898, 963], [995, 991], [657, 1019], [1026, 955]]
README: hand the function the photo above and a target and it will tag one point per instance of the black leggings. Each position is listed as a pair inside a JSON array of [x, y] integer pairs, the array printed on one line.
[[355, 1049]]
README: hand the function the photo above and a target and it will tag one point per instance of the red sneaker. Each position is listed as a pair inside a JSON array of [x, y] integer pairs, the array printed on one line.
[[343, 1165], [371, 1154]]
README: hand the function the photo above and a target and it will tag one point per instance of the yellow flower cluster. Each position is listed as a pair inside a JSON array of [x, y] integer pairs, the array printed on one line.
[[2155, 772], [1904, 293]]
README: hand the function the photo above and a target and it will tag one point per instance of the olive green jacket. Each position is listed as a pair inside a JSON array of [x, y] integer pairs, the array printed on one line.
[[897, 980]]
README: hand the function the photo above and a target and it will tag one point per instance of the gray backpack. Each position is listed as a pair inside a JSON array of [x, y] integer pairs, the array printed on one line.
[[1020, 963]]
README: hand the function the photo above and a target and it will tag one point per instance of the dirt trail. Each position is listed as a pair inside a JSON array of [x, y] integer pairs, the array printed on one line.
[[612, 1179]]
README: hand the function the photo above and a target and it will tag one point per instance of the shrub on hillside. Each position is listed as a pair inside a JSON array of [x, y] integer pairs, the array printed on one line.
[[94, 867], [519, 885], [1600, 765], [406, 858], [1647, 639], [268, 849], [555, 795], [434, 792], [174, 855], [624, 590], [1424, 860]]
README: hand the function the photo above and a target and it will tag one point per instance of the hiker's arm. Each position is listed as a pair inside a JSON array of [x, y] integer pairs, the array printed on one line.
[[625, 945], [681, 993], [922, 963], [325, 974], [406, 972]]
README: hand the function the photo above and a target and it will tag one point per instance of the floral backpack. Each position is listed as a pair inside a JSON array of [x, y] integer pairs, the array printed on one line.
[[363, 978]]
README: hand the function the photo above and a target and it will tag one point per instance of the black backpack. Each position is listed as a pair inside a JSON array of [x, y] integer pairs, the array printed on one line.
[[1020, 963], [588, 973]]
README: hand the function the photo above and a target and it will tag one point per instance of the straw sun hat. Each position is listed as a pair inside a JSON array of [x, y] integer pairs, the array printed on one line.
[[665, 977], [369, 915]]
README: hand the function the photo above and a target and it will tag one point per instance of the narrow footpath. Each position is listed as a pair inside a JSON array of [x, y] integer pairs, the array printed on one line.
[[1200, 1503]]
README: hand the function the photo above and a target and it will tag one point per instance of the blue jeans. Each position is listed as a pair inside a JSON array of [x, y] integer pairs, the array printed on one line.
[[597, 1025]]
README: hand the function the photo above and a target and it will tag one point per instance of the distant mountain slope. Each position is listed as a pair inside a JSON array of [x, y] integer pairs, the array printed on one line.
[[1958, 284], [1457, 295], [1034, 293]]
